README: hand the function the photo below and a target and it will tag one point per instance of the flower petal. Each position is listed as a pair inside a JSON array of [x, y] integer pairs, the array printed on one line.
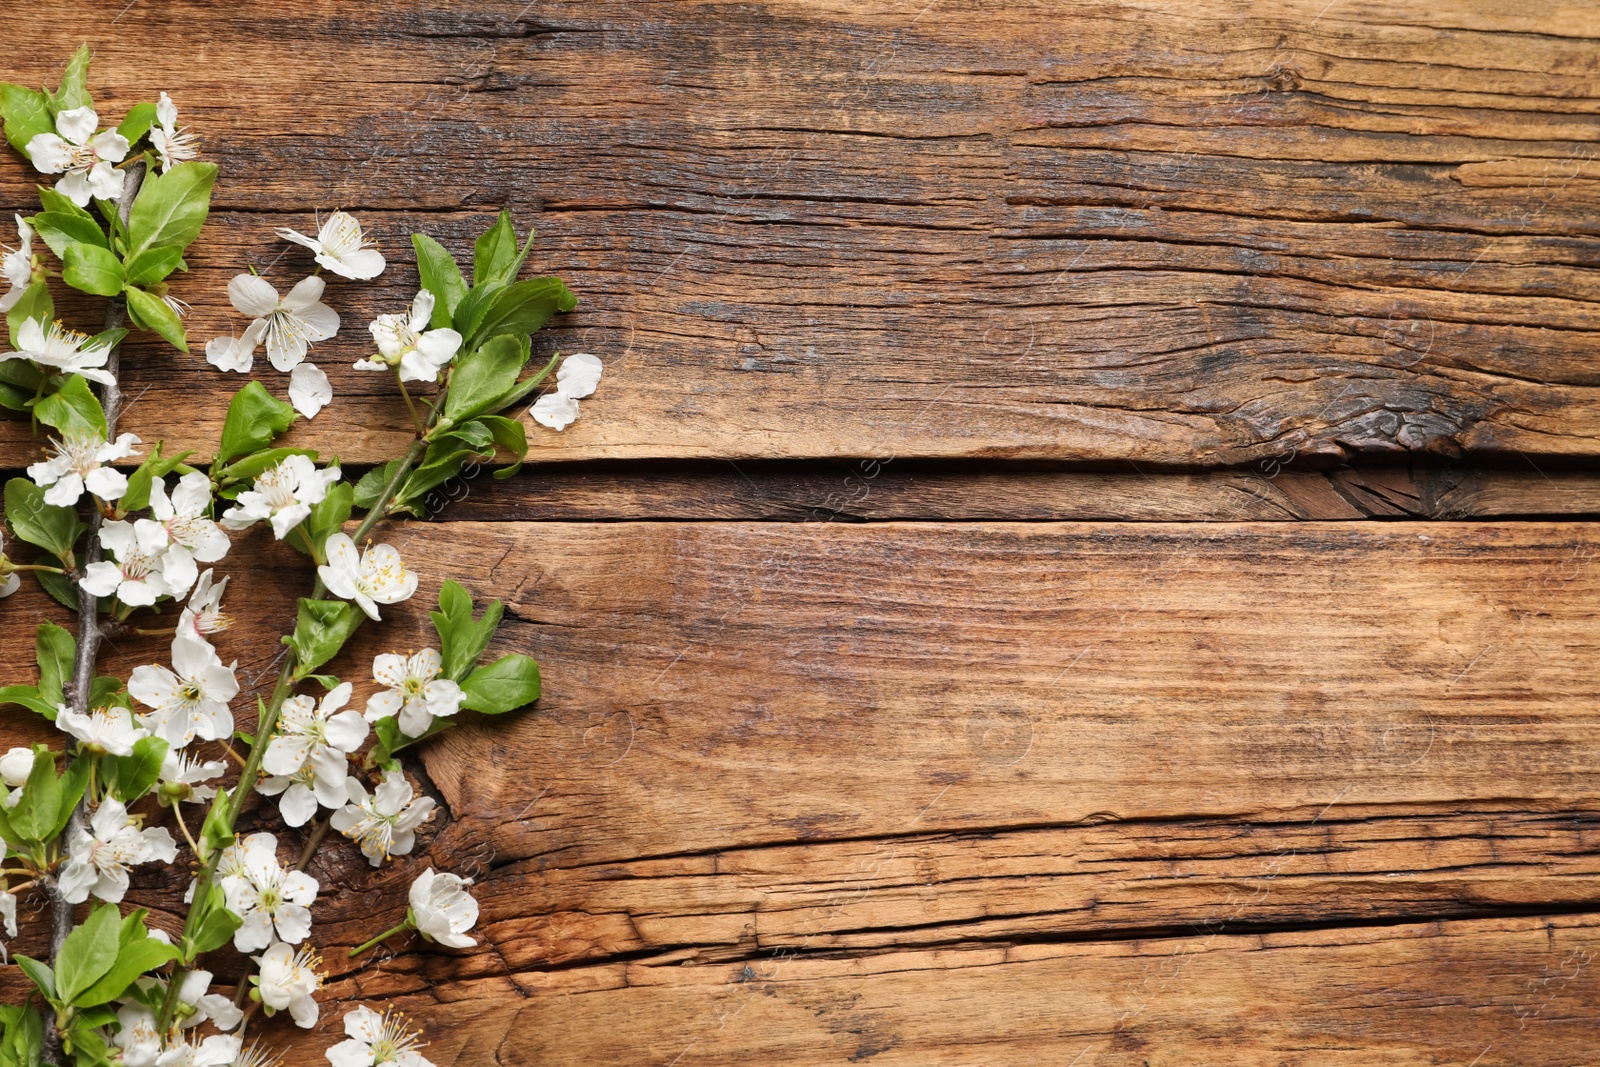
[[578, 375], [555, 410], [309, 390], [253, 296]]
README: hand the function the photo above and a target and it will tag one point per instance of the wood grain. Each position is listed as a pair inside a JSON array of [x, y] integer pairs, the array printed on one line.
[[1207, 234], [876, 491], [899, 762]]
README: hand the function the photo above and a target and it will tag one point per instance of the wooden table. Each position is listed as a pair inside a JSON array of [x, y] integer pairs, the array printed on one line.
[[1081, 554]]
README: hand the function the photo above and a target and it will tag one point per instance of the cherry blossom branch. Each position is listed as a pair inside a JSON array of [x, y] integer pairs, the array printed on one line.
[[90, 630], [264, 728]]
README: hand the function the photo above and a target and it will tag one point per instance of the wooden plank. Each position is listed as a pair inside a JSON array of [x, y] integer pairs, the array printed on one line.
[[904, 761], [1503, 993], [874, 491], [1125, 231]]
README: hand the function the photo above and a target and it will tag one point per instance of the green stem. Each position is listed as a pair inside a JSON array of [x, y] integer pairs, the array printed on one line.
[[416, 420], [358, 950]]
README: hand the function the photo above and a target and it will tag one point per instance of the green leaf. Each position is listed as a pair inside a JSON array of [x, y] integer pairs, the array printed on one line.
[[481, 377], [321, 627], [73, 409], [136, 958], [441, 277], [391, 740], [171, 207], [60, 587], [88, 952], [216, 833], [255, 417], [61, 230], [215, 927], [58, 204], [73, 784], [473, 307], [29, 697], [137, 496], [33, 816], [258, 463], [461, 638], [153, 264], [21, 1036], [154, 314], [39, 974], [372, 483], [510, 436], [131, 777], [521, 308], [92, 268], [87, 1042], [137, 122], [328, 516], [508, 683], [495, 253], [34, 304], [105, 691], [446, 455], [55, 649], [527, 385], [74, 89], [52, 528], [26, 113], [20, 382]]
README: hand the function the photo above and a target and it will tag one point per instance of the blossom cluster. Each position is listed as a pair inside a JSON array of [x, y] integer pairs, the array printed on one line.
[[154, 769]]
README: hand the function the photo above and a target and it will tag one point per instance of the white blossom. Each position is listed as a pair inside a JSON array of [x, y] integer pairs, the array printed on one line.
[[80, 461], [288, 326], [17, 265], [109, 730], [98, 858], [302, 791], [190, 700], [415, 693], [137, 1036], [148, 565], [236, 353], [62, 349], [83, 157], [374, 1040], [8, 912], [183, 778], [383, 824], [183, 516], [341, 247], [576, 378], [172, 144], [376, 576], [282, 495], [315, 735], [309, 390], [442, 909], [273, 902], [15, 766], [204, 1006], [215, 1051], [407, 343], [203, 614], [290, 979]]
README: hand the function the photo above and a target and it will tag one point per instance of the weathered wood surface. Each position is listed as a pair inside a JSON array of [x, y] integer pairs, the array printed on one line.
[[1198, 234], [898, 780], [872, 490]]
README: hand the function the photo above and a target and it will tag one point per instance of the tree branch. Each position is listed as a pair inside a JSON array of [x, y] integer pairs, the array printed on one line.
[[90, 630]]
